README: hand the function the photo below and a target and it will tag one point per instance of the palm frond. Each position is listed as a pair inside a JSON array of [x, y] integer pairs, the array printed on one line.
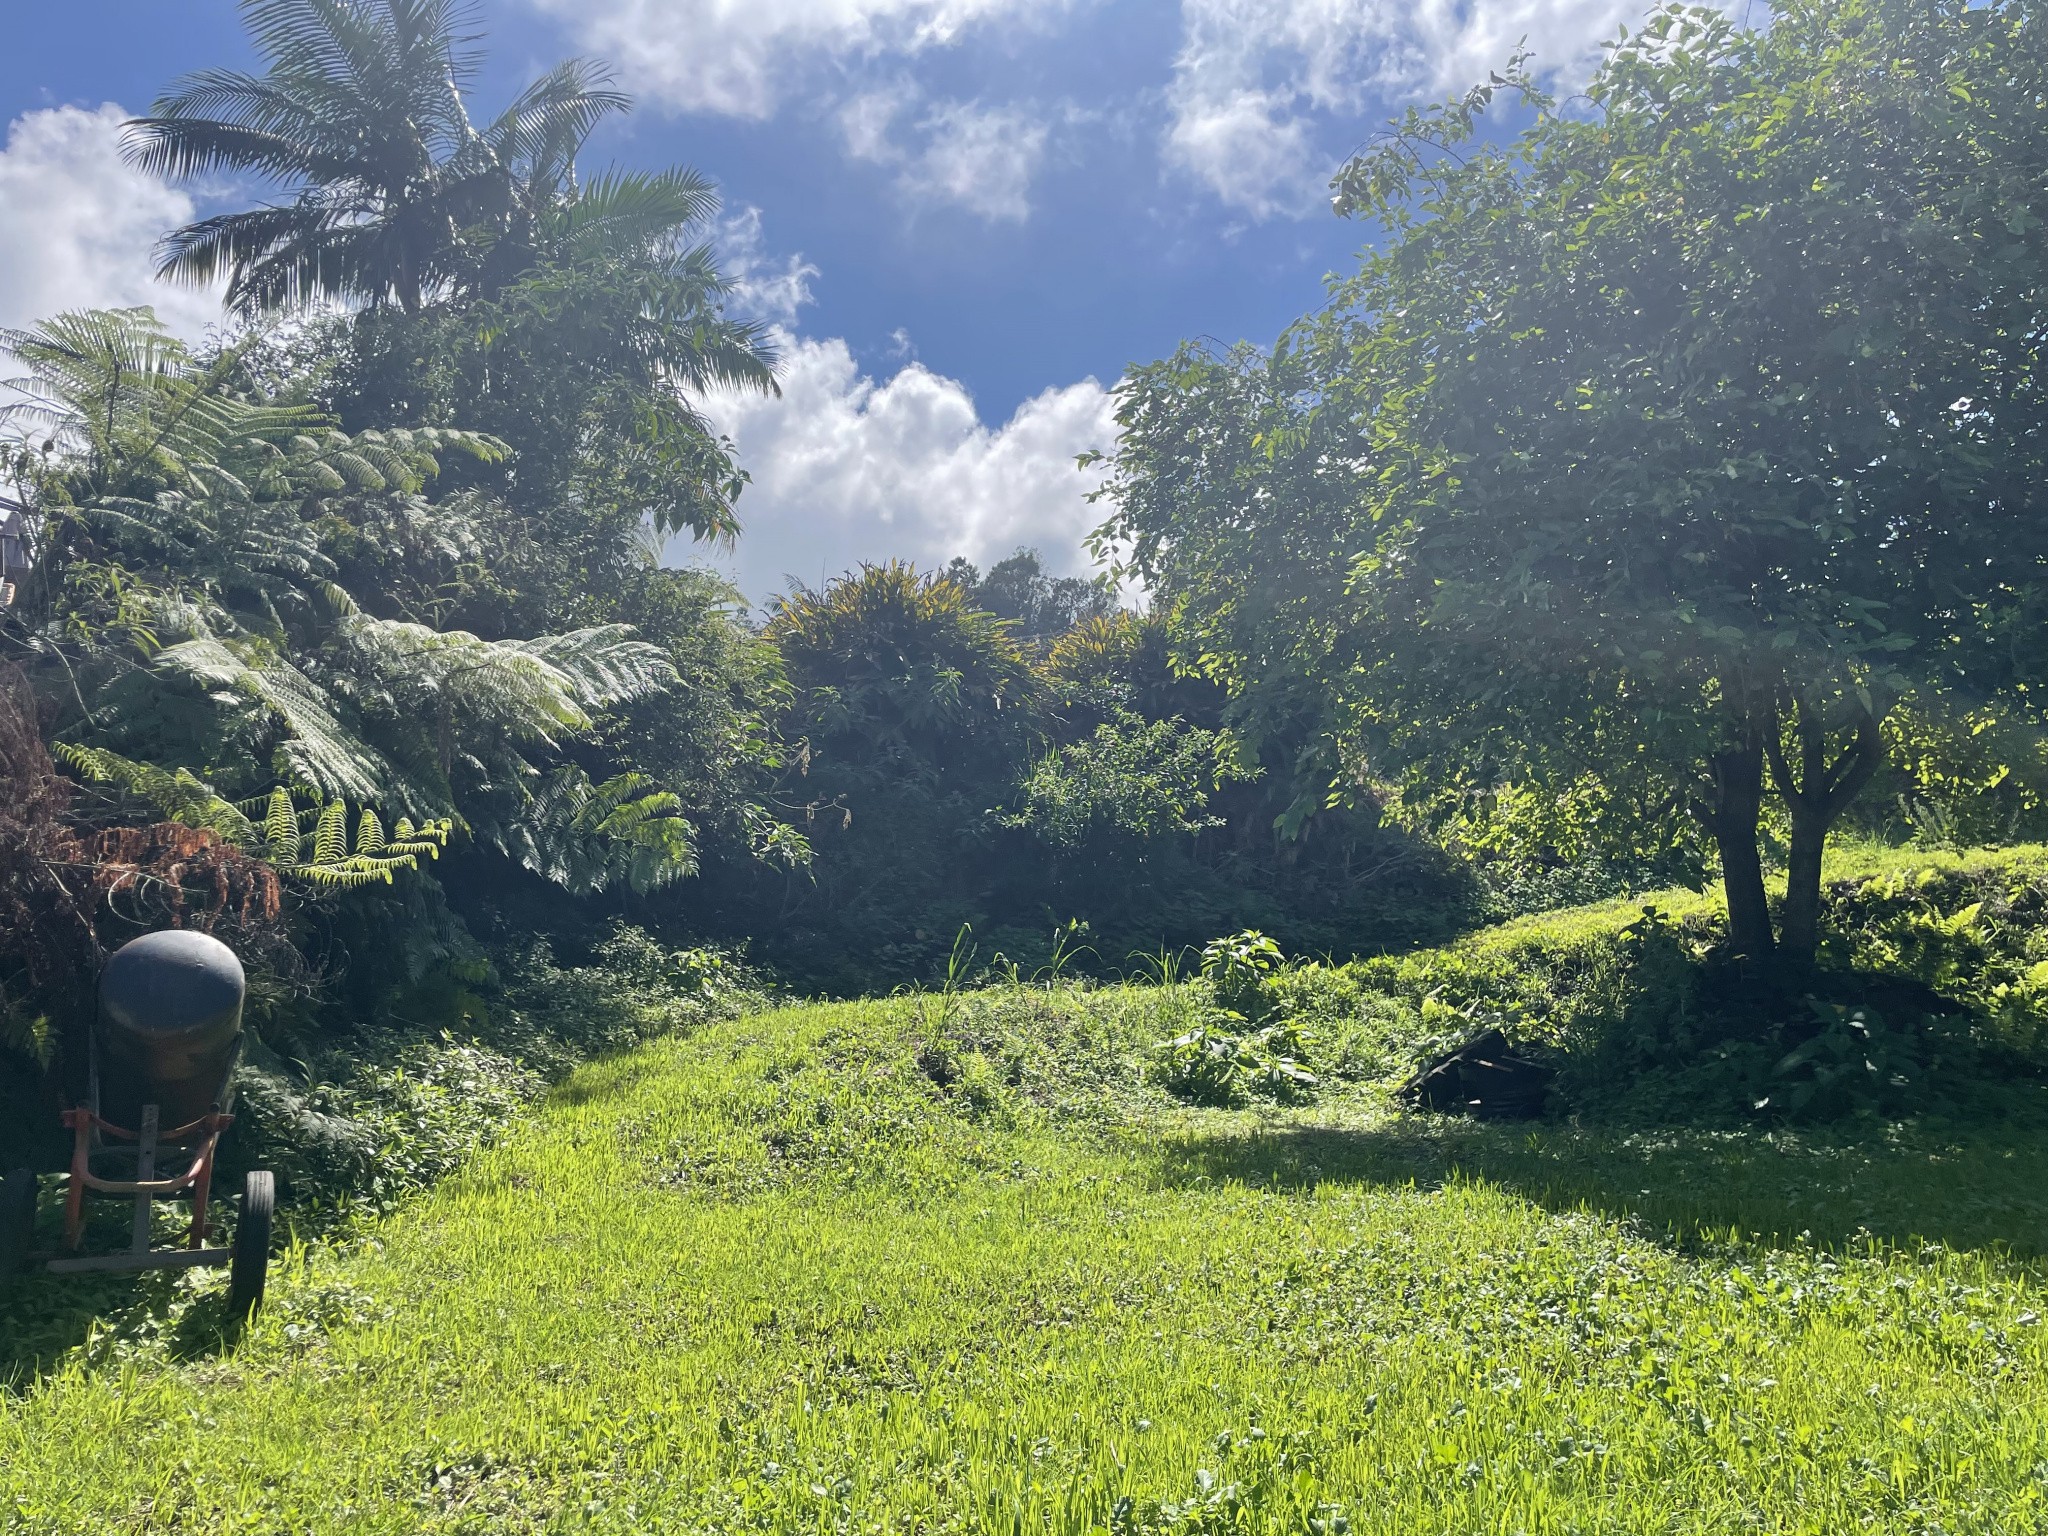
[[539, 135], [624, 213]]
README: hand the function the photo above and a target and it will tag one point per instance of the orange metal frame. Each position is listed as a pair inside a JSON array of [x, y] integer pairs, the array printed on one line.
[[197, 1179]]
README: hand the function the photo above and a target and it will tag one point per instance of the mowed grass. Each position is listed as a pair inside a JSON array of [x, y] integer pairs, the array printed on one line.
[[928, 1266]]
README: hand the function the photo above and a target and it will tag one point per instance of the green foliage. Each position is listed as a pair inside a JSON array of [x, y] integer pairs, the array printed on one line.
[[140, 430], [242, 625], [410, 615], [631, 989], [1854, 1063], [1928, 994], [1967, 926], [1240, 1048], [385, 1132], [1122, 663], [313, 843], [912, 712], [1237, 968], [1219, 1066], [176, 795], [1134, 780], [946, 777], [585, 837], [310, 843], [898, 673], [1638, 446], [592, 371], [356, 1131]]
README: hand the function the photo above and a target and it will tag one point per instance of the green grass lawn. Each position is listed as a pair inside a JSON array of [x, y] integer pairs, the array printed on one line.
[[861, 1267]]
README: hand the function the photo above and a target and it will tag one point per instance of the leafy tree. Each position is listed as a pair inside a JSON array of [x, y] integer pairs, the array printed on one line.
[[1676, 441], [1039, 607], [1129, 783], [393, 194], [900, 677]]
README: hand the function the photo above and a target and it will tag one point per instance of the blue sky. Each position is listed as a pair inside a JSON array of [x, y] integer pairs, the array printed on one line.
[[965, 216]]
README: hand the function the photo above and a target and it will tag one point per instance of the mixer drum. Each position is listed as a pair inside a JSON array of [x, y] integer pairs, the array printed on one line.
[[170, 1019]]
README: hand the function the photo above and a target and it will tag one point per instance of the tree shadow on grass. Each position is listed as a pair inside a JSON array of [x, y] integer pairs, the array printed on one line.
[[1981, 1186], [44, 1318], [609, 1077]]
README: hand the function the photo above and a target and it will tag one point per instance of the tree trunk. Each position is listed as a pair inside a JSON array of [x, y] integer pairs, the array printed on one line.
[[407, 283], [1816, 794], [1800, 919], [1738, 781]]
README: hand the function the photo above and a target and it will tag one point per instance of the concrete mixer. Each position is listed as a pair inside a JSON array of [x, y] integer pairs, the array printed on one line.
[[164, 1045]]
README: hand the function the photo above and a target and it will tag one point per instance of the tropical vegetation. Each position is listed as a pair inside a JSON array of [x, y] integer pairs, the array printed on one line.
[[1604, 635], [971, 1262]]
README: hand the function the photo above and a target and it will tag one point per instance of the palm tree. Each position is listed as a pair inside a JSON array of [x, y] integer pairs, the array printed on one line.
[[394, 194]]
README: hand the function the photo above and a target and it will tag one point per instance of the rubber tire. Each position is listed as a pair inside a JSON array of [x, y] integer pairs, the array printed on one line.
[[250, 1265], [17, 1220]]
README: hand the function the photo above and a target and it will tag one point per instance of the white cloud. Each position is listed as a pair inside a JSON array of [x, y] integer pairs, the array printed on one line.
[[763, 287], [741, 58], [982, 158], [1247, 146], [1251, 73], [866, 118], [77, 225], [849, 468]]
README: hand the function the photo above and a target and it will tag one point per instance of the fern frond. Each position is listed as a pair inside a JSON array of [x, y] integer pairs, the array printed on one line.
[[343, 877], [319, 750], [281, 828], [330, 835], [587, 837], [369, 832], [177, 795]]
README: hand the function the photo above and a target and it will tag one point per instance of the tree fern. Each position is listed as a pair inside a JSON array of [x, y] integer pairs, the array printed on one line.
[[216, 507], [176, 794], [310, 844], [587, 837]]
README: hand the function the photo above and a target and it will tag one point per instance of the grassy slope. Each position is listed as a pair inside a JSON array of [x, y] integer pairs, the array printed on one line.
[[1844, 862], [773, 1277]]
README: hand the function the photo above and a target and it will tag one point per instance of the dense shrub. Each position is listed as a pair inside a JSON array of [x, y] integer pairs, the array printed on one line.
[[1933, 982], [386, 1131]]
